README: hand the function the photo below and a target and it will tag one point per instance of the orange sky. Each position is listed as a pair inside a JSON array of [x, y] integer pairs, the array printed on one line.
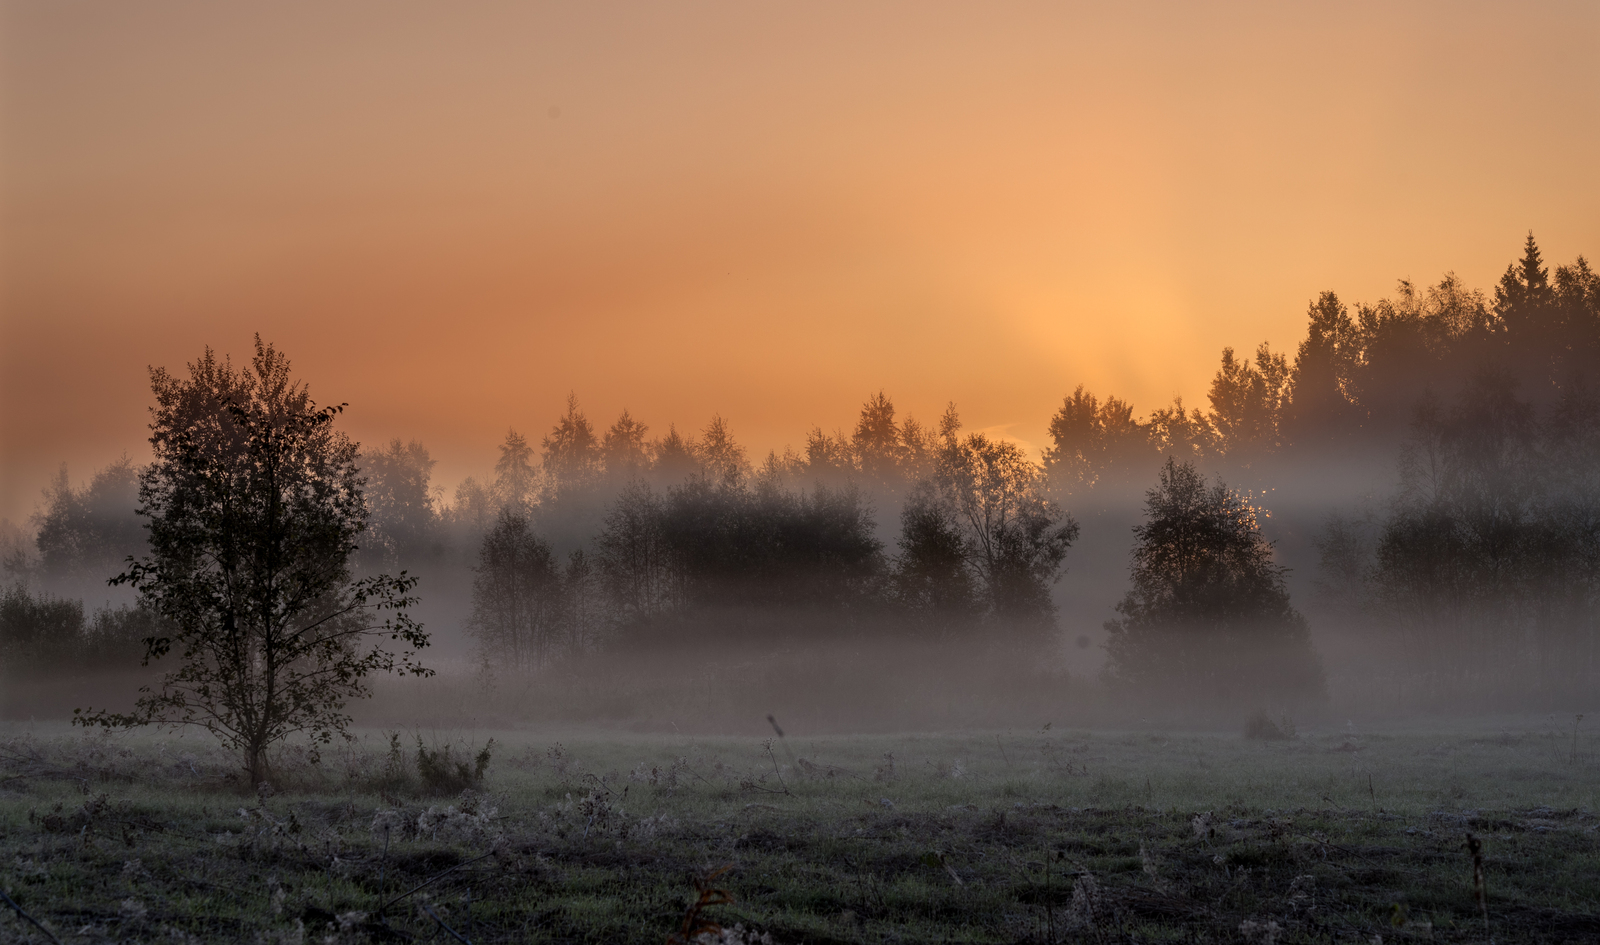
[[450, 215]]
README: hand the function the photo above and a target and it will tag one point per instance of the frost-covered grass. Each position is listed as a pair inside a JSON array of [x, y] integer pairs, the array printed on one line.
[[1042, 835]]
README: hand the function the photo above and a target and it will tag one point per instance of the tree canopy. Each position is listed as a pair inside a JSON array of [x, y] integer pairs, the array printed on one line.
[[254, 503], [1208, 613]]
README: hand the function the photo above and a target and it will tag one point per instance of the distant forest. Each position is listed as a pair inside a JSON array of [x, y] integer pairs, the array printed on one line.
[[1484, 563]]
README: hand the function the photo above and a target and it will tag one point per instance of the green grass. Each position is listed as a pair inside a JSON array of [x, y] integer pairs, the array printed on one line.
[[982, 837]]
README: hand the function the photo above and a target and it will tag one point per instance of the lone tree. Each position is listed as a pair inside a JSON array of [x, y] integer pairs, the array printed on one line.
[[1208, 615], [254, 505]]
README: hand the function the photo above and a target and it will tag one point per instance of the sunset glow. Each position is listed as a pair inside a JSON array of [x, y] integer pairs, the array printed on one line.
[[452, 217]]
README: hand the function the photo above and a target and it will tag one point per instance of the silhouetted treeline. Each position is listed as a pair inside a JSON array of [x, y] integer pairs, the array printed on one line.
[[1355, 380], [1484, 563], [41, 633], [1485, 567], [732, 552]]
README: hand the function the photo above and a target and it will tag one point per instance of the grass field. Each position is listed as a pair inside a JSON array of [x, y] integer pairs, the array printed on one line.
[[1011, 836]]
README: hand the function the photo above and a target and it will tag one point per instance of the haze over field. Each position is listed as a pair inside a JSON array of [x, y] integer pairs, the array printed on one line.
[[751, 473], [796, 300]]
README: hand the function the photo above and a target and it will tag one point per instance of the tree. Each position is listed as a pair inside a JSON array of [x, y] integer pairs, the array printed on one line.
[[1013, 537], [1208, 615], [634, 558], [403, 517], [19, 552], [1091, 440], [829, 458], [43, 635], [1319, 409], [879, 452], [1345, 548], [89, 531], [1577, 300], [516, 596], [1188, 437], [473, 511], [583, 618], [920, 448], [1417, 342], [254, 505], [623, 449], [38, 634], [1247, 402], [571, 453], [1526, 305], [1456, 556], [759, 547], [515, 479], [721, 457], [676, 457], [932, 579]]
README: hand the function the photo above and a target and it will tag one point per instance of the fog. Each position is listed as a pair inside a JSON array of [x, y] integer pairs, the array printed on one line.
[[1397, 516]]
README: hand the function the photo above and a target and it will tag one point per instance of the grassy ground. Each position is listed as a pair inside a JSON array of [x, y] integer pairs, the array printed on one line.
[[1038, 836]]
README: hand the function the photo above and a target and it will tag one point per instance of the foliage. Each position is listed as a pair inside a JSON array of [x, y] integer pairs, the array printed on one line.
[[516, 482], [676, 525], [88, 532], [1247, 403], [1356, 377], [1317, 410], [403, 521], [760, 545], [1344, 558], [1208, 615], [932, 579], [878, 448], [571, 453], [635, 560], [516, 596], [1091, 440], [1492, 542], [254, 506], [624, 451], [44, 634], [1012, 537], [441, 773]]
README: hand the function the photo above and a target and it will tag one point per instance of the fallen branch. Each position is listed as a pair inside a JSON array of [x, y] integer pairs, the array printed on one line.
[[458, 936], [430, 881], [13, 904]]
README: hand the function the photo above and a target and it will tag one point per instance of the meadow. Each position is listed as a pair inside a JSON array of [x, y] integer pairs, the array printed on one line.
[[590, 835]]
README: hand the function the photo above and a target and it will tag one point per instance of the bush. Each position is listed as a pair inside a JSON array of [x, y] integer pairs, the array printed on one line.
[[1262, 726], [50, 634], [441, 773], [1208, 618]]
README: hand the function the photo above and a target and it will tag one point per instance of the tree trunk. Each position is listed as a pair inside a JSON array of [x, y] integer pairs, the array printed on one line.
[[255, 761]]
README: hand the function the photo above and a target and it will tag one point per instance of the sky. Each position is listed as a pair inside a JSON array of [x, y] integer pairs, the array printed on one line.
[[451, 216]]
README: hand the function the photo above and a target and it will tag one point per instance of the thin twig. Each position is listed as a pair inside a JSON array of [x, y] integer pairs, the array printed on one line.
[[383, 864], [1480, 890], [13, 904], [458, 936], [781, 740], [773, 758]]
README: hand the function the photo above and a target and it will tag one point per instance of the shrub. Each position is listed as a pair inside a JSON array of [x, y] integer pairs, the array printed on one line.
[[1262, 726], [443, 773]]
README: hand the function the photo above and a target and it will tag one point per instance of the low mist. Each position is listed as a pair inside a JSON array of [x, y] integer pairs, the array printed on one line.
[[1400, 518]]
